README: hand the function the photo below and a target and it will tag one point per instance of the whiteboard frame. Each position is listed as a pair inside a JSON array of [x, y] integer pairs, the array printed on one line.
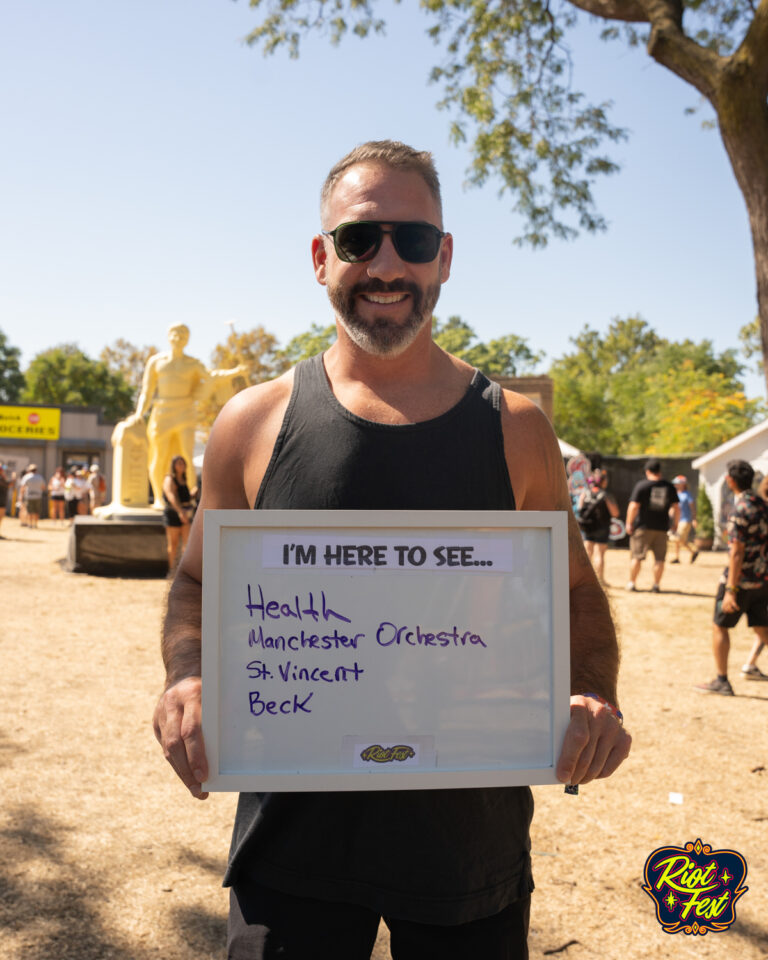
[[339, 522]]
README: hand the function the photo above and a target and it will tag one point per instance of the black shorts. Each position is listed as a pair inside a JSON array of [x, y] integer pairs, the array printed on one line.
[[171, 518], [598, 535], [752, 602], [266, 924]]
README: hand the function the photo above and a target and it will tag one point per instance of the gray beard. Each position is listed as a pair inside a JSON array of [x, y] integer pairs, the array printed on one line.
[[382, 337]]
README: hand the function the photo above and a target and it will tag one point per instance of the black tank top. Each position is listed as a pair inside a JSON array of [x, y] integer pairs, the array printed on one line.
[[327, 458], [436, 856]]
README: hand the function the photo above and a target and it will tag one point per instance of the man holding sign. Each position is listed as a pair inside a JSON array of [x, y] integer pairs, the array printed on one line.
[[385, 419]]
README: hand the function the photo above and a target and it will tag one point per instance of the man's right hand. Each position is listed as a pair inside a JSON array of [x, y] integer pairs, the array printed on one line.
[[179, 731]]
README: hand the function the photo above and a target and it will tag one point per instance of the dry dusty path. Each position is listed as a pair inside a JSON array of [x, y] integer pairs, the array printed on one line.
[[102, 855]]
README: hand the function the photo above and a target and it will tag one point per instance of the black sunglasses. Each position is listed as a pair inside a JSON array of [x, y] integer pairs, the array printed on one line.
[[359, 240]]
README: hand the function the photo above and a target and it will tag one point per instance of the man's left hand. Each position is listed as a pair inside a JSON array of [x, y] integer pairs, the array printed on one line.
[[595, 743]]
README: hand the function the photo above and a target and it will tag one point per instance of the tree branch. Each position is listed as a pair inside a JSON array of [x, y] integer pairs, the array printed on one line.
[[668, 44], [670, 47], [754, 47], [629, 11]]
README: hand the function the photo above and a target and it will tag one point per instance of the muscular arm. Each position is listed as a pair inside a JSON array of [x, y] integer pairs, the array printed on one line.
[[595, 742], [177, 718], [232, 472]]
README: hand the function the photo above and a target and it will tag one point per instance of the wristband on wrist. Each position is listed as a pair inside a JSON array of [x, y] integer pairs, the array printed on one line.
[[733, 590], [614, 710]]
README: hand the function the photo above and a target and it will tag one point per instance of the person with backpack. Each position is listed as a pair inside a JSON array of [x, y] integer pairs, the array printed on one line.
[[594, 511]]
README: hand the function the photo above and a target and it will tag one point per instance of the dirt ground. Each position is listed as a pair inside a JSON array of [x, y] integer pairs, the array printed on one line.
[[104, 857]]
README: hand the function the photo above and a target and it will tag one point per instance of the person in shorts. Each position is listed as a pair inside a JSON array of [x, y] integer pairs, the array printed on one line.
[[743, 586], [685, 529], [595, 509], [32, 487], [653, 511], [56, 496]]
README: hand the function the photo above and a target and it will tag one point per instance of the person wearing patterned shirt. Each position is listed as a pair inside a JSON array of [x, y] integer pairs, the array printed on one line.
[[743, 585]]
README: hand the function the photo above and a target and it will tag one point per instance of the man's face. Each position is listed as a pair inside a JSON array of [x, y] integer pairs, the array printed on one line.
[[384, 303]]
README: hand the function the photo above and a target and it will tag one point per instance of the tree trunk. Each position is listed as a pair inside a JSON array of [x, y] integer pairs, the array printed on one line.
[[743, 118], [736, 86]]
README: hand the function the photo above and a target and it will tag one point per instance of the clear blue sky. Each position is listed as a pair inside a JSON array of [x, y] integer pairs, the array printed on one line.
[[155, 169]]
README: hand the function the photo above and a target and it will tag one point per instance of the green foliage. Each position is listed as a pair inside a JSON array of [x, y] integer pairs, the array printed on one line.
[[11, 378], [632, 392], [505, 72], [286, 20], [705, 517], [505, 79], [507, 356], [699, 410], [127, 360], [256, 348], [66, 375], [316, 340], [751, 346]]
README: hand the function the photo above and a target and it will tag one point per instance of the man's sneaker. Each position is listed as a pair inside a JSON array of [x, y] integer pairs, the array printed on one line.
[[674, 561], [630, 586], [655, 588], [723, 687], [694, 555], [753, 673]]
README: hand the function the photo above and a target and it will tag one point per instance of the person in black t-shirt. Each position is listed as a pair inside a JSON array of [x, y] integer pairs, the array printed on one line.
[[653, 510]]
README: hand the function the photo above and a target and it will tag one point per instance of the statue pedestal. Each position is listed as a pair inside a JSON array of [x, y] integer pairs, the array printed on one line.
[[130, 469], [119, 511], [121, 547], [126, 537]]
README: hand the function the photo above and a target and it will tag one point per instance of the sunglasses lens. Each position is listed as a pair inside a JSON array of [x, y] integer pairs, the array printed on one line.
[[417, 242], [357, 241]]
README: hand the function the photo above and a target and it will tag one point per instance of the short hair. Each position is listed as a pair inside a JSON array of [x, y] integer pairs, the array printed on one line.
[[653, 465], [179, 326], [741, 473], [390, 153]]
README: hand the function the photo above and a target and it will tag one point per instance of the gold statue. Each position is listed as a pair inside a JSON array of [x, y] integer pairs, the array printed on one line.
[[173, 385]]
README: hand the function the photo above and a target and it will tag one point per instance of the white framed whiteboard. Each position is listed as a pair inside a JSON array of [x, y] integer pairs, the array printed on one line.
[[380, 650]]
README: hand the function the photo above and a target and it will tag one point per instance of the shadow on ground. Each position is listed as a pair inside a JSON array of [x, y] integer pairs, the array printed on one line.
[[47, 902], [753, 933]]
